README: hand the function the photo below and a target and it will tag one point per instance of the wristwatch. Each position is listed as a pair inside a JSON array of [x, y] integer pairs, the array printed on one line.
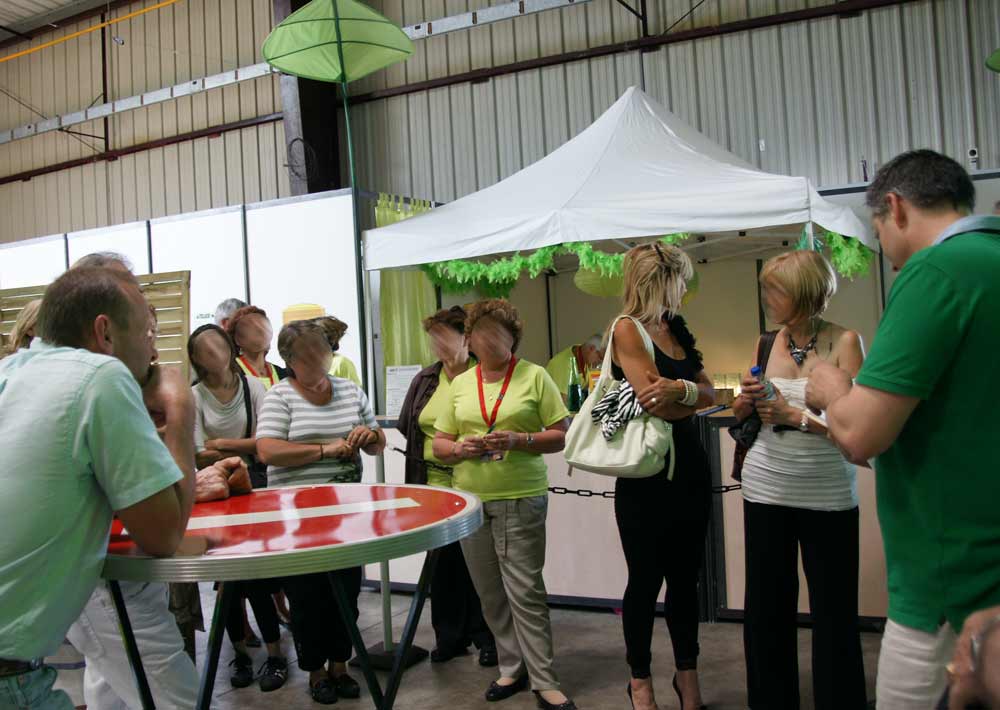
[[804, 422]]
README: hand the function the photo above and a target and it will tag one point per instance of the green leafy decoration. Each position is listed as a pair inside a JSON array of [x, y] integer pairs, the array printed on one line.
[[849, 256], [497, 278]]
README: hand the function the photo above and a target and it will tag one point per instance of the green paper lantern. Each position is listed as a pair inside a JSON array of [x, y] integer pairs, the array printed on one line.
[[320, 39], [993, 62], [595, 283]]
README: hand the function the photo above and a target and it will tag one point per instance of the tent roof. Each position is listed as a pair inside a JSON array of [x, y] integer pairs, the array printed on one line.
[[637, 171]]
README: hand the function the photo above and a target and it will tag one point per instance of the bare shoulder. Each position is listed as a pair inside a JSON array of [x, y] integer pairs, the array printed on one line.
[[848, 348], [844, 338]]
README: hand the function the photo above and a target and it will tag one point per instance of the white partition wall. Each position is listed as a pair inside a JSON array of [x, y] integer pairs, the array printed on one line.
[[302, 251], [32, 262], [210, 246], [129, 240]]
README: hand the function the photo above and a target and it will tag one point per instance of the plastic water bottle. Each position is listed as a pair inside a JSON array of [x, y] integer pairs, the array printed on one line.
[[766, 383]]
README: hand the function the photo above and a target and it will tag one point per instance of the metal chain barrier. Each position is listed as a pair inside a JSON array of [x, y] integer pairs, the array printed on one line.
[[557, 490], [584, 493]]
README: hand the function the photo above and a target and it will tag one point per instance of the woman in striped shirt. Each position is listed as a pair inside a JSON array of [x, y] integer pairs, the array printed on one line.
[[312, 429]]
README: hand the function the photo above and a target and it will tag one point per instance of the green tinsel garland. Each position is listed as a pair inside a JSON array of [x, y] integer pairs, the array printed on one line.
[[498, 278]]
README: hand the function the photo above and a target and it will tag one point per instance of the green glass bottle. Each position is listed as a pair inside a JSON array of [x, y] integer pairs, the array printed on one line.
[[574, 391]]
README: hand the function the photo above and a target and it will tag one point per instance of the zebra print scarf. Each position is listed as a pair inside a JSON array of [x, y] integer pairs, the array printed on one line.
[[616, 409]]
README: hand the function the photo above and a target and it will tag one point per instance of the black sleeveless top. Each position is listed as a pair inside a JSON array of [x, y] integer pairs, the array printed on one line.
[[691, 470]]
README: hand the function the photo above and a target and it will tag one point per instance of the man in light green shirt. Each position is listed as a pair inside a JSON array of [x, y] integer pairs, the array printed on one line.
[[581, 357], [78, 447]]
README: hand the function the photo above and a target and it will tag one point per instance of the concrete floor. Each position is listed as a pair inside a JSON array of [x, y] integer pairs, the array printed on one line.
[[589, 659]]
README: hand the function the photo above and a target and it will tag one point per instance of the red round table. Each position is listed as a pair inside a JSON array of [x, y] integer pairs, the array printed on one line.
[[282, 532]]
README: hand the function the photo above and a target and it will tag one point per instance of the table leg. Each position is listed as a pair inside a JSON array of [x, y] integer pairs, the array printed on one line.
[[131, 648], [387, 700], [410, 629], [222, 602], [351, 624]]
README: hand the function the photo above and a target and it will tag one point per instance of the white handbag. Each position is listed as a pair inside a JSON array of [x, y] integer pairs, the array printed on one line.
[[638, 450]]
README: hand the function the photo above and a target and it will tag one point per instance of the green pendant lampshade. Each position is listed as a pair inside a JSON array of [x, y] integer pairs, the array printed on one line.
[[335, 41], [994, 61]]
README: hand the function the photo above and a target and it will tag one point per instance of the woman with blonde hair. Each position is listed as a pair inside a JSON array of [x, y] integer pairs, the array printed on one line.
[[24, 327], [662, 521], [799, 491]]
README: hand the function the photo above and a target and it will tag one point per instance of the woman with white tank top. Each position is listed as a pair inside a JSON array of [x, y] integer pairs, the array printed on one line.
[[800, 492]]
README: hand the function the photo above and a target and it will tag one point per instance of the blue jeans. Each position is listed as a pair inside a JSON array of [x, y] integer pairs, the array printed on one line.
[[33, 691]]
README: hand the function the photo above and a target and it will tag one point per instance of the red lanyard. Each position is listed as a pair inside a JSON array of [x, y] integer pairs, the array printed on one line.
[[492, 419], [270, 372]]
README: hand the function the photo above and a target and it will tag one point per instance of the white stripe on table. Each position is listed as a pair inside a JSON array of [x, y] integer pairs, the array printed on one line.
[[273, 516]]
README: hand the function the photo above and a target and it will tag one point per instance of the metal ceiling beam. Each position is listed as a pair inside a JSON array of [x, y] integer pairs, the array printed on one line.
[[847, 8], [485, 16]]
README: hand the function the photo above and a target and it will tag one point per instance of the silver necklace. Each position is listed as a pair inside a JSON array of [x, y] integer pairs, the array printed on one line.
[[798, 354]]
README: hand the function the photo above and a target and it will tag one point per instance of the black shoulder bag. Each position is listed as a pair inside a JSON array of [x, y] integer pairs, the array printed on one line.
[[745, 433], [258, 471]]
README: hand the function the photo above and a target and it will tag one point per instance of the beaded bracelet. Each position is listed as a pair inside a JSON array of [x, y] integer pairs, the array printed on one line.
[[690, 393]]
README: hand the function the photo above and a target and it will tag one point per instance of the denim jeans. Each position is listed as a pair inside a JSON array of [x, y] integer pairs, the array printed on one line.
[[33, 691]]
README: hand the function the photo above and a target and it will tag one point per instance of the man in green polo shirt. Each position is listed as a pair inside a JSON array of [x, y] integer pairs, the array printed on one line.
[[920, 410]]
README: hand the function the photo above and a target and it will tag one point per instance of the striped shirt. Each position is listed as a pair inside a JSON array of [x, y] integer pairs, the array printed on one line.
[[798, 470], [289, 416]]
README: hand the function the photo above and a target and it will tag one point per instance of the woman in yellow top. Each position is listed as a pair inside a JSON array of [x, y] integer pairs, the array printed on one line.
[[342, 367], [456, 612], [500, 417], [251, 331]]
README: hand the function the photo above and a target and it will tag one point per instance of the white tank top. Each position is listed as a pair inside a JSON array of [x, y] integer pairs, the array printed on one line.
[[798, 470]]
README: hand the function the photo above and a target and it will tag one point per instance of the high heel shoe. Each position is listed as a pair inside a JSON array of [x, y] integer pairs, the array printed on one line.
[[680, 698]]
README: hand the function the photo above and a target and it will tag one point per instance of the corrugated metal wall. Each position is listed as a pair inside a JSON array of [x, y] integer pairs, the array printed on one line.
[[811, 98], [193, 38]]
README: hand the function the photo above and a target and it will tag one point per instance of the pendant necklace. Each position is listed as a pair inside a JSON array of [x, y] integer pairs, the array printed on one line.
[[798, 354]]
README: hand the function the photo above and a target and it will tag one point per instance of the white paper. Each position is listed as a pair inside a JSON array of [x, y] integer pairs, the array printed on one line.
[[397, 383]]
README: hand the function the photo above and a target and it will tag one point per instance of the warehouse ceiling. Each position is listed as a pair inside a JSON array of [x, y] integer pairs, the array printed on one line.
[[24, 16]]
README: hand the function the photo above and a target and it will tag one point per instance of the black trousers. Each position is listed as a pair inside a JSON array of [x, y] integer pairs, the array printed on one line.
[[456, 613], [319, 632], [829, 542], [662, 525], [258, 593]]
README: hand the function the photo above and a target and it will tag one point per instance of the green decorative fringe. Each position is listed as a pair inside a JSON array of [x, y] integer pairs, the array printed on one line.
[[498, 278]]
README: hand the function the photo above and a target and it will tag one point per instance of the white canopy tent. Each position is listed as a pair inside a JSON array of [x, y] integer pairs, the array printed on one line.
[[637, 171]]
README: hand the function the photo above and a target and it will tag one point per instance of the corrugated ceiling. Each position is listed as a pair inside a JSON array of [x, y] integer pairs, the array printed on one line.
[[27, 15]]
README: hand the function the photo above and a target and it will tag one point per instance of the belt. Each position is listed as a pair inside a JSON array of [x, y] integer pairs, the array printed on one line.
[[10, 668]]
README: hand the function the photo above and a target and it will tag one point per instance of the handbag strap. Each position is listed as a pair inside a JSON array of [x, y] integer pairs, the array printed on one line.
[[764, 347], [247, 404], [608, 362]]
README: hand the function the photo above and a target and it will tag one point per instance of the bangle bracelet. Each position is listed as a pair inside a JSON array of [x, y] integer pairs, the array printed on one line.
[[691, 393], [321, 453]]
